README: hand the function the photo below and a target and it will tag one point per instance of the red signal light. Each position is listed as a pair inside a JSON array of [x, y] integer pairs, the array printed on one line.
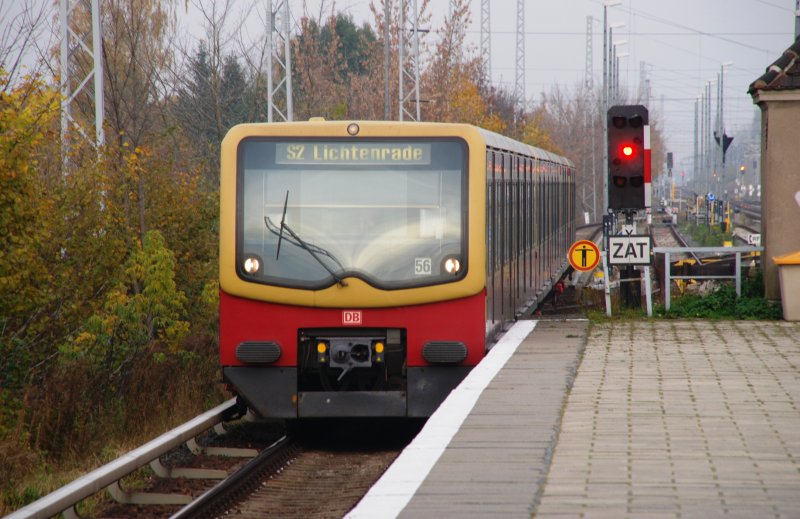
[[628, 155]]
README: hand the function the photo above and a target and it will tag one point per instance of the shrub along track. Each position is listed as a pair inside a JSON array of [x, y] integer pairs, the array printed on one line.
[[321, 471]]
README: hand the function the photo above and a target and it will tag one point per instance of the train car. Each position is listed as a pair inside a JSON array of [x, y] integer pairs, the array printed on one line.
[[366, 267]]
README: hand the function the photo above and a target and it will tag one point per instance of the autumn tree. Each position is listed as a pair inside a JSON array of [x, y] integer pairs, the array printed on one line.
[[449, 73], [26, 113], [210, 101], [319, 72], [218, 85], [389, 25], [573, 120]]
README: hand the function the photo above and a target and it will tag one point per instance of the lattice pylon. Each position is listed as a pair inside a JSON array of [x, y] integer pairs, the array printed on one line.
[[280, 61], [73, 45], [519, 84], [589, 72], [486, 38], [408, 88]]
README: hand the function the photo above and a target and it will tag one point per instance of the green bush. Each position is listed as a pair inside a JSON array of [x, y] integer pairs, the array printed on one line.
[[722, 303], [707, 235]]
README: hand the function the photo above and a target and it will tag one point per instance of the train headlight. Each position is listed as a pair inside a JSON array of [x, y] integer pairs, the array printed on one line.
[[452, 265], [322, 350], [379, 347], [252, 264]]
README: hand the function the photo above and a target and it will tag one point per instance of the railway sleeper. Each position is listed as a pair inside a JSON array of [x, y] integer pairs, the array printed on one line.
[[146, 498]]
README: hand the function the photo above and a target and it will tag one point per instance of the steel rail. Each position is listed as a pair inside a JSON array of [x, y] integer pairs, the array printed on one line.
[[684, 244], [270, 459], [102, 477]]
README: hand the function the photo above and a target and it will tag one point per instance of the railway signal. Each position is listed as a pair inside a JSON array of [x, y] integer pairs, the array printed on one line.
[[628, 157]]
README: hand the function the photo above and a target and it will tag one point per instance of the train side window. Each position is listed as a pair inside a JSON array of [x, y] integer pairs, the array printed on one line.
[[498, 210], [507, 174], [490, 228]]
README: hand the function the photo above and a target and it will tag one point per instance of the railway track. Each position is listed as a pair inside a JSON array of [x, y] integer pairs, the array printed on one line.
[[315, 483], [668, 235], [255, 470], [744, 234], [321, 471]]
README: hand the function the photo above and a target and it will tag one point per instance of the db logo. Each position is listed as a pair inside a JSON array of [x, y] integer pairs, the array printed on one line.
[[351, 317]]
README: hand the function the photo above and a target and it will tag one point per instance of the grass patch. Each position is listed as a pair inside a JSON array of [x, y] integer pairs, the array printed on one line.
[[617, 314], [720, 303], [707, 235]]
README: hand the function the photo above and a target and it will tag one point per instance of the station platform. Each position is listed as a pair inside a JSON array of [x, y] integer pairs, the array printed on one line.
[[639, 419]]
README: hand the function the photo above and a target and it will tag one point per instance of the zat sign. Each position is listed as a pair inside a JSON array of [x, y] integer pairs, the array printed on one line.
[[351, 317]]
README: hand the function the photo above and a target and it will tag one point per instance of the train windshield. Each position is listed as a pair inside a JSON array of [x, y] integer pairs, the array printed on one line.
[[312, 213]]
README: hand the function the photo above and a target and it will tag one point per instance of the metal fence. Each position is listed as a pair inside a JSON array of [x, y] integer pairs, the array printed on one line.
[[737, 275]]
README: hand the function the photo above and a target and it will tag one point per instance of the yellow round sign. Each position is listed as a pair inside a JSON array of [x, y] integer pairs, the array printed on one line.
[[583, 255]]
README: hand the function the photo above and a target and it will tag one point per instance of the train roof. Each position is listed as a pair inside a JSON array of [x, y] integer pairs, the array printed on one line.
[[495, 140], [492, 139]]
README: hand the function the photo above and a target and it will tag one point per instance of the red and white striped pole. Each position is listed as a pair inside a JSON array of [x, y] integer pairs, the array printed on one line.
[[647, 177]]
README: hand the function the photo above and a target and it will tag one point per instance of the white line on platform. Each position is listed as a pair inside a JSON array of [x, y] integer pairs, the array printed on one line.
[[399, 483]]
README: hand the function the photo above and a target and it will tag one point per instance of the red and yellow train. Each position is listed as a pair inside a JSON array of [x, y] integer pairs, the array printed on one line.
[[365, 267]]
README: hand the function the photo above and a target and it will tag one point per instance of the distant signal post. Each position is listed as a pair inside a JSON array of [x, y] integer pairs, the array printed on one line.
[[628, 158], [629, 188]]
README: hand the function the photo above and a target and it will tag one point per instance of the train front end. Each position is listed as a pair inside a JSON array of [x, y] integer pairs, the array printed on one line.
[[352, 266]]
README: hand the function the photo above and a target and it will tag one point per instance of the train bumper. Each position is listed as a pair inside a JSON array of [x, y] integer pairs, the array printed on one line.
[[271, 392]]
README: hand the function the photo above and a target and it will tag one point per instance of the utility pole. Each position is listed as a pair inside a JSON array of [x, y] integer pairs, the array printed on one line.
[[588, 71], [616, 74], [644, 84], [519, 85], [703, 149], [605, 108], [797, 19], [387, 9], [74, 45], [588, 122], [486, 38], [695, 172], [277, 34], [709, 150], [606, 5], [413, 62], [717, 125]]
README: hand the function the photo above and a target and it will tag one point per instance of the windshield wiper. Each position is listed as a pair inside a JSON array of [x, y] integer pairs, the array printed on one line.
[[283, 221], [314, 250]]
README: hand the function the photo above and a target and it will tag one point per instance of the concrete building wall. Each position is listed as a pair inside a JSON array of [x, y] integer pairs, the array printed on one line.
[[780, 180]]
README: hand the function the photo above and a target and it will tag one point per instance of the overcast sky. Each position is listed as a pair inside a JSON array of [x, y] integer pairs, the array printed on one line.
[[682, 43]]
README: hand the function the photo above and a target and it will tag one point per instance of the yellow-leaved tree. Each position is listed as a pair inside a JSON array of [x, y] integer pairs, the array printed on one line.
[[27, 111]]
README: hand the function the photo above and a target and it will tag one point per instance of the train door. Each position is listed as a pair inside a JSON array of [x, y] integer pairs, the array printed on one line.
[[520, 234], [537, 253], [550, 219], [514, 299], [493, 281], [546, 227], [508, 311], [498, 236], [489, 242], [526, 227]]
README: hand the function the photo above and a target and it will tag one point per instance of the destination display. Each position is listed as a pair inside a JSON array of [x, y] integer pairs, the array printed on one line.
[[353, 153]]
